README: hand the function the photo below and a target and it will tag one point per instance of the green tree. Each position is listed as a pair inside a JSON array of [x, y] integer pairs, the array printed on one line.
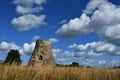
[[74, 64], [13, 57]]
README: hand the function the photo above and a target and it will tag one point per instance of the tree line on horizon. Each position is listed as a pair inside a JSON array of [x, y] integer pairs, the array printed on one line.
[[13, 58]]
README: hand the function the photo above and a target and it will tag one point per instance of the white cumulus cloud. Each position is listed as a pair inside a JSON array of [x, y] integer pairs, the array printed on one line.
[[74, 27], [28, 19], [93, 4], [5, 47], [107, 63], [88, 62], [100, 16], [28, 48], [94, 49], [27, 22], [56, 51]]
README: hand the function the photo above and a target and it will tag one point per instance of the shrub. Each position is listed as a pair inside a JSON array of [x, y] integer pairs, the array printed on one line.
[[13, 57]]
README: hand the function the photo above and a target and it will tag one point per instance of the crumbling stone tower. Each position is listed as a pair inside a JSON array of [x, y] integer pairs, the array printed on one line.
[[42, 54]]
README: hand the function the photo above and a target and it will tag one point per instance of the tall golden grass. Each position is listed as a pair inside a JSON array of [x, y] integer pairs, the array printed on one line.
[[56, 73]]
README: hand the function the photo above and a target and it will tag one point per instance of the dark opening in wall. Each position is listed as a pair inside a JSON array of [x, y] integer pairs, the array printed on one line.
[[40, 58], [33, 57]]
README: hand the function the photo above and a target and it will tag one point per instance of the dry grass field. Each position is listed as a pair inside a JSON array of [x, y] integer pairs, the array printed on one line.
[[57, 73]]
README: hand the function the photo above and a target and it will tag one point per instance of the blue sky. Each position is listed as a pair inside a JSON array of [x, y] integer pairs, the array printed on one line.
[[83, 31]]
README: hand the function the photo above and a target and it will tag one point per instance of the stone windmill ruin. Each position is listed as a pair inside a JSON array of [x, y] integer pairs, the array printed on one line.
[[42, 54]]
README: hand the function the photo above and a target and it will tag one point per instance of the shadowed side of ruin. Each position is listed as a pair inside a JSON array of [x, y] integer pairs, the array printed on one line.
[[42, 54]]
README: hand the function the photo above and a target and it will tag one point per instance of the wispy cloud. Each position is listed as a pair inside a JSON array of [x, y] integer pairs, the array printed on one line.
[[63, 21], [53, 40], [27, 6], [37, 37]]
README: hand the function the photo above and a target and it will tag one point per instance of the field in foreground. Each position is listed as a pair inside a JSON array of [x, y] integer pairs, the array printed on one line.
[[57, 73]]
